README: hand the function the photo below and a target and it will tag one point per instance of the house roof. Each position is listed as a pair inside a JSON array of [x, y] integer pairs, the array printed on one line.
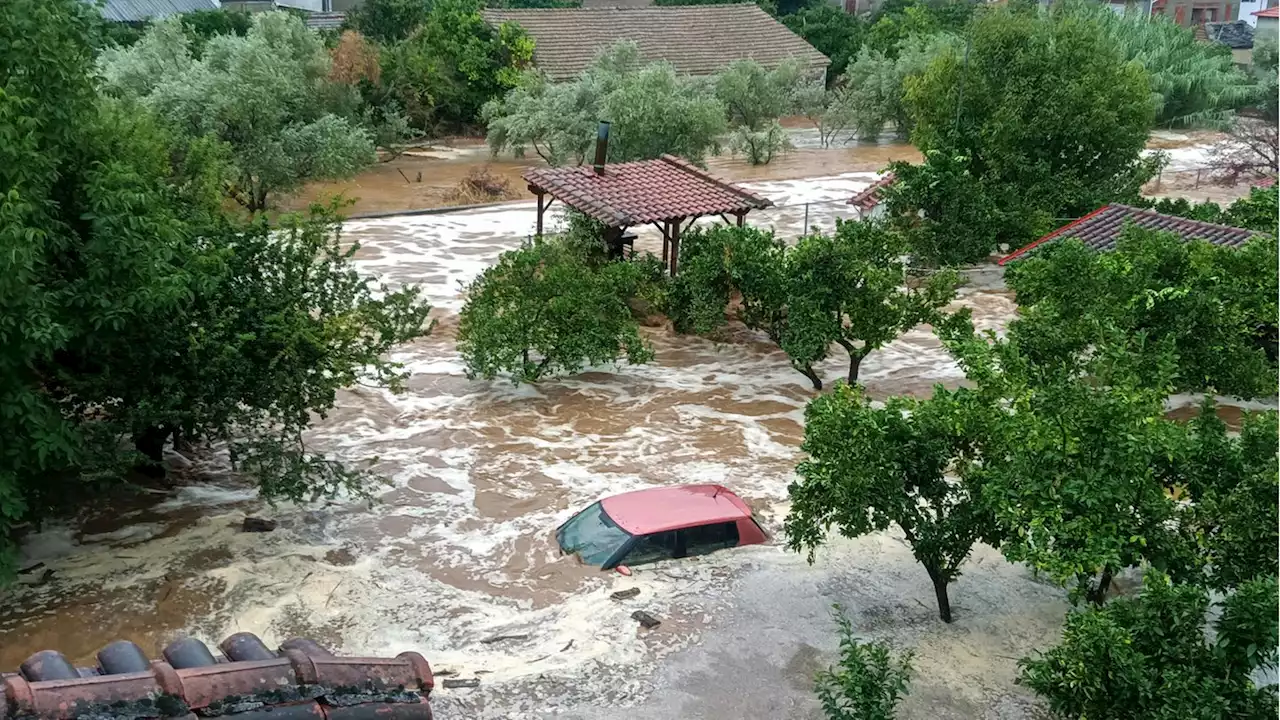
[[634, 193], [1237, 35], [139, 10], [616, 3], [324, 20], [1101, 229], [696, 39], [1271, 12], [670, 508], [869, 197]]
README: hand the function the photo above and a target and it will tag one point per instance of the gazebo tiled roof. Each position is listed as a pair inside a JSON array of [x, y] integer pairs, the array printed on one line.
[[869, 197], [1101, 229], [636, 193]]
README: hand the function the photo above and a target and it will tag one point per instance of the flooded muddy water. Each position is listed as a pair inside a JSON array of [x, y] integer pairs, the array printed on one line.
[[458, 547]]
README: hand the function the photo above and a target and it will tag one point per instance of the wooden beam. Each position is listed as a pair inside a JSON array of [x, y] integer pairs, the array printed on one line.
[[541, 208], [742, 218], [675, 248]]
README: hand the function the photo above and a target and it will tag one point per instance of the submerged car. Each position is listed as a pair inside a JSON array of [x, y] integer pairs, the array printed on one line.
[[659, 524]]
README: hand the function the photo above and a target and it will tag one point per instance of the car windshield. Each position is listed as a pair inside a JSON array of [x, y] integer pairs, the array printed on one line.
[[593, 535]]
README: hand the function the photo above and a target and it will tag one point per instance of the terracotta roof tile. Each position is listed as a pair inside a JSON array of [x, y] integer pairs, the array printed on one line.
[[634, 193], [1273, 12], [696, 39], [1101, 229], [869, 197]]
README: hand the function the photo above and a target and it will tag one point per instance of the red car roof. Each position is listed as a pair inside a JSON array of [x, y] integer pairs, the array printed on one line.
[[670, 508]]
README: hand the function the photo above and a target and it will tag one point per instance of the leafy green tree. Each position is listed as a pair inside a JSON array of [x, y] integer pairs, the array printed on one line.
[[653, 111], [896, 22], [872, 467], [877, 82], [761, 146], [943, 210], [1232, 484], [1196, 84], [1072, 469], [832, 32], [1049, 116], [849, 289], [1148, 656], [831, 110], [867, 681], [453, 64], [202, 26], [388, 21], [134, 310], [1256, 211], [1214, 307], [545, 309], [754, 95], [264, 95]]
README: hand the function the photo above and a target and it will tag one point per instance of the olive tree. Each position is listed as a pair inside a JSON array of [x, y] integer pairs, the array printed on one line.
[[906, 464], [266, 95]]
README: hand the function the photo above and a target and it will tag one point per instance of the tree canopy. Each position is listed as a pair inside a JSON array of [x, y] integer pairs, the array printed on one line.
[[265, 95], [135, 311], [652, 110]]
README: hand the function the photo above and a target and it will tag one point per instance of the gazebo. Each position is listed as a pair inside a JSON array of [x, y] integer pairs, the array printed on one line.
[[668, 193]]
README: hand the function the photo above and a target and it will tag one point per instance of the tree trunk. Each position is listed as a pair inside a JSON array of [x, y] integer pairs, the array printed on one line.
[[808, 372], [150, 443], [1098, 594], [855, 362], [940, 583]]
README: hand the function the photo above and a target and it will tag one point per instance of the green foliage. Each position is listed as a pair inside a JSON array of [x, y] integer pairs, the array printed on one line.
[[266, 95], [1232, 483], [133, 310], [1148, 657], [388, 21], [877, 82], [898, 22], [1213, 307], [943, 209], [108, 33], [1196, 84], [866, 683], [831, 110], [202, 26], [871, 467], [1047, 113], [832, 31], [760, 146], [754, 96], [653, 112], [545, 308], [849, 289], [1266, 68], [1256, 211], [453, 64]]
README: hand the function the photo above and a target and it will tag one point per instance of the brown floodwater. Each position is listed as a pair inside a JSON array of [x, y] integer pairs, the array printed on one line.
[[458, 546]]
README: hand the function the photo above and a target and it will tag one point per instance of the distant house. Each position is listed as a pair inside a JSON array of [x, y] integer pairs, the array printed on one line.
[[1237, 35], [136, 11], [1268, 21], [697, 39], [1101, 229], [597, 4], [1190, 13]]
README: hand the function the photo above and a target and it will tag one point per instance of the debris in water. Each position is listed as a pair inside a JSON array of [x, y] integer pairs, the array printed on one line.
[[647, 621], [253, 524], [461, 682], [567, 646], [30, 568], [625, 594], [500, 638]]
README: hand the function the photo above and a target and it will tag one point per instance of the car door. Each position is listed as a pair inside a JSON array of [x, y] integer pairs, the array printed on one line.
[[703, 539], [651, 548]]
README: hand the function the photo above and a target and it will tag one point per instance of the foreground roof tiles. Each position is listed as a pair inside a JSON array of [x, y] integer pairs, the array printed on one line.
[[299, 681], [870, 196], [696, 39], [1101, 229], [635, 193]]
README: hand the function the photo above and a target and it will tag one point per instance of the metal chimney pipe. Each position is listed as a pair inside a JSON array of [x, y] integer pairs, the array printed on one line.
[[602, 146]]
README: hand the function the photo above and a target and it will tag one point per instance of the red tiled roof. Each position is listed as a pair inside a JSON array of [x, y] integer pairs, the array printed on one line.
[[635, 193], [1101, 228], [869, 197], [1266, 182], [1273, 12]]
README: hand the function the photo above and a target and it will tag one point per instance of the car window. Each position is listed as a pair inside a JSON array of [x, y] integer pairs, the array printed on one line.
[[593, 535], [652, 548], [703, 539]]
